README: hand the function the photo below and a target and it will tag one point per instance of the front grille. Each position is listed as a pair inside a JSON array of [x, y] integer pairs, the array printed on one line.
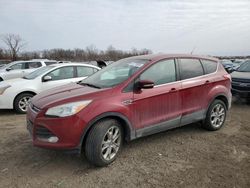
[[241, 80], [43, 132], [241, 88]]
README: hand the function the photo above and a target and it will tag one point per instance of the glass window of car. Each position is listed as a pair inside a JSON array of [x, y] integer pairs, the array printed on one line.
[[160, 73], [209, 66], [190, 68], [33, 65], [62, 73], [115, 73], [38, 72], [245, 67], [85, 71], [50, 62], [17, 66]]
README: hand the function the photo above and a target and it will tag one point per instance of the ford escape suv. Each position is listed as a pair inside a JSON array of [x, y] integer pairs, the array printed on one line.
[[129, 99]]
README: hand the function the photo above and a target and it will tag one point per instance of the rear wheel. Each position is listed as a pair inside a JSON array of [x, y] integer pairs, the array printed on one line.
[[103, 142], [21, 102], [216, 115]]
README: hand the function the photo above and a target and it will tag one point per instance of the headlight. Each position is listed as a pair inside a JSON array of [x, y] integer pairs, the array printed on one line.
[[2, 89], [67, 109]]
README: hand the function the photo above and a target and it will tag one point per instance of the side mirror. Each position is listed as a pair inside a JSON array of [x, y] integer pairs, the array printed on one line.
[[47, 78], [145, 84], [8, 69]]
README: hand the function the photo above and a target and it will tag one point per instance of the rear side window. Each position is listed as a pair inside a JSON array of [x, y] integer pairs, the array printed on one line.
[[190, 68], [160, 73], [84, 71], [209, 66], [33, 65]]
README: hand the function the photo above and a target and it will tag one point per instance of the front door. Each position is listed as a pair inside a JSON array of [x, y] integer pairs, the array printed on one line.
[[158, 108]]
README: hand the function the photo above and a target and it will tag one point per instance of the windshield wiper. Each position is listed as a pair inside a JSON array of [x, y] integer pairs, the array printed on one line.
[[90, 85]]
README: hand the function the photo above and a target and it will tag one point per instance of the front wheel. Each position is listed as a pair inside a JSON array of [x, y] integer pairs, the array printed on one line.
[[216, 116], [103, 142], [21, 102]]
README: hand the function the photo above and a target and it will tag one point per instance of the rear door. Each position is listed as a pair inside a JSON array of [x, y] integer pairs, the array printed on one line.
[[31, 66], [154, 108], [193, 89]]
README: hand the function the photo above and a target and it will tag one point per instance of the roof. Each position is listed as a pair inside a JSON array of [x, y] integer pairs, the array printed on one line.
[[73, 64], [164, 56]]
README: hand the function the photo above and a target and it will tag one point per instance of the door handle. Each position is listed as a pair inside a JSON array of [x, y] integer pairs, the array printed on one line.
[[207, 82], [172, 90]]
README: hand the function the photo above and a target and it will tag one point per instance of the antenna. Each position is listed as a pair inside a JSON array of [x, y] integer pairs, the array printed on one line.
[[193, 50]]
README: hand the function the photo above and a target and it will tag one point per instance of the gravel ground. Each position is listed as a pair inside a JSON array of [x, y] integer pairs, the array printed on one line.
[[184, 157]]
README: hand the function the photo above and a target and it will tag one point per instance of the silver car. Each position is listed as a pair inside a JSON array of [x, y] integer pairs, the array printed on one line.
[[18, 69]]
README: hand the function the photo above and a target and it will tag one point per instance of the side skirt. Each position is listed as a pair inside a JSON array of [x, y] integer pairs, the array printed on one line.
[[171, 124]]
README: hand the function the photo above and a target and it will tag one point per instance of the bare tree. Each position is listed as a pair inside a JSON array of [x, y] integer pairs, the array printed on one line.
[[14, 43]]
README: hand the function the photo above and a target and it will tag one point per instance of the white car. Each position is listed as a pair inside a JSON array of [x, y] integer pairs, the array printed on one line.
[[18, 69], [16, 93]]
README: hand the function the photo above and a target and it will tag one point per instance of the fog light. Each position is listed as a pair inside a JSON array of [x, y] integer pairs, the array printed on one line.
[[53, 139]]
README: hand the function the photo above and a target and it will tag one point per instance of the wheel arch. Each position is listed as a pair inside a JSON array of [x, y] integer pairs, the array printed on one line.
[[30, 92], [129, 133]]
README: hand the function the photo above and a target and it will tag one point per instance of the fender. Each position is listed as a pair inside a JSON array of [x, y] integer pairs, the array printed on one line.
[[130, 132]]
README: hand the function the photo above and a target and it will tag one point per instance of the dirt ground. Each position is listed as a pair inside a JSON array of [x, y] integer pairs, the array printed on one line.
[[184, 157]]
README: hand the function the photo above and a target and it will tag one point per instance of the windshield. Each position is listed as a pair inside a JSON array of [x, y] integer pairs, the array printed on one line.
[[115, 73], [38, 72], [226, 62], [245, 67], [2, 66]]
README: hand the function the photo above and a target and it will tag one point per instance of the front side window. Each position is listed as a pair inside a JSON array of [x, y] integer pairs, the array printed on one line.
[[209, 66], [84, 71], [17, 66], [190, 68], [160, 73], [62, 73]]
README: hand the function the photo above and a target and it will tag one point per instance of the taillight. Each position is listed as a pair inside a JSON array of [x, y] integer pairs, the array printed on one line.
[[228, 76]]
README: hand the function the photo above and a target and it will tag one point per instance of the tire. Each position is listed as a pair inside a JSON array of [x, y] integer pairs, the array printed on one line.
[[216, 116], [21, 102], [97, 151], [1, 79]]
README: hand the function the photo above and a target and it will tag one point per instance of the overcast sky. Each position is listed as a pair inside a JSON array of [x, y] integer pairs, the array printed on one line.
[[214, 27]]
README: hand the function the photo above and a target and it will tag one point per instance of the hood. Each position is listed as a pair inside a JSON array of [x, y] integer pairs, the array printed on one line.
[[241, 75], [64, 94], [15, 82]]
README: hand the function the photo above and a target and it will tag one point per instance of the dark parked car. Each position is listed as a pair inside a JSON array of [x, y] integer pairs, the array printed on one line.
[[228, 65], [241, 81], [129, 99]]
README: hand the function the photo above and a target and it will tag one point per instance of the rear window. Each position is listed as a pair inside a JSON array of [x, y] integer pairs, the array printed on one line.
[[209, 66], [190, 68]]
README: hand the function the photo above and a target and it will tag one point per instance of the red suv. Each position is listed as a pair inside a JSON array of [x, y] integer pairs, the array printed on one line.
[[130, 98]]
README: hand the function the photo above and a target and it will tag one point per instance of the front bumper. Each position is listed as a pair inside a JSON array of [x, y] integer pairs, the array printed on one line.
[[240, 93], [6, 101], [55, 133]]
